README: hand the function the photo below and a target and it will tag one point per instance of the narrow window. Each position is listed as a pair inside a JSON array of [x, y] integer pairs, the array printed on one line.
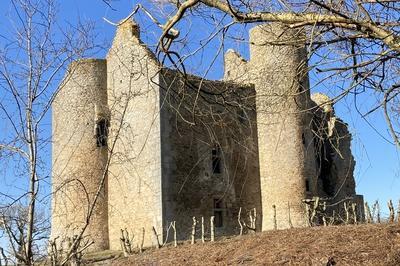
[[308, 185], [218, 213], [101, 133], [216, 160], [303, 139]]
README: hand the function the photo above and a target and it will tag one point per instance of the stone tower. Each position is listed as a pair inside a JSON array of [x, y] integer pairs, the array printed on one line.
[[79, 156], [286, 155]]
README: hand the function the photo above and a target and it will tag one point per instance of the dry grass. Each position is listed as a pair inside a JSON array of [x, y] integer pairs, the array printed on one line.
[[340, 245]]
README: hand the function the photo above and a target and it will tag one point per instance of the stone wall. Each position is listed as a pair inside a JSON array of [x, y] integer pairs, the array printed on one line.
[[135, 170], [335, 162], [274, 145], [193, 124], [78, 161]]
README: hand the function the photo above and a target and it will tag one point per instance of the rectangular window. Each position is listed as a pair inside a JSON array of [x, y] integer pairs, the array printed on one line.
[[308, 185], [101, 133], [216, 160], [218, 213]]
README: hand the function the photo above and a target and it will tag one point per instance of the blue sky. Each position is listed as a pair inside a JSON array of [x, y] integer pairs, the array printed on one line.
[[377, 161]]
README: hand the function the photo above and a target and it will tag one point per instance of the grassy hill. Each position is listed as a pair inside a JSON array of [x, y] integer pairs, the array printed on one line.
[[334, 245]]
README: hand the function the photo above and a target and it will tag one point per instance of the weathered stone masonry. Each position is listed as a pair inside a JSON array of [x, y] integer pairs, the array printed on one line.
[[179, 147]]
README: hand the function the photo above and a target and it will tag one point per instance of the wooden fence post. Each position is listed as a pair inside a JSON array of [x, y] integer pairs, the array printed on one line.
[[239, 221], [173, 224], [378, 212], [289, 216], [398, 212], [367, 213], [142, 241], [346, 209], [354, 212], [255, 219], [202, 229], [314, 211], [212, 229], [194, 230], [324, 213], [156, 237], [391, 211], [307, 215]]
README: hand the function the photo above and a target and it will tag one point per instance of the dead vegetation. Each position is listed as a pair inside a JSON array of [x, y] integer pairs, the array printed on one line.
[[369, 244]]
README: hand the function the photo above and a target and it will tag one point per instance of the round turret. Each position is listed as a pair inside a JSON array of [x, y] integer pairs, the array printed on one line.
[[286, 153], [80, 153]]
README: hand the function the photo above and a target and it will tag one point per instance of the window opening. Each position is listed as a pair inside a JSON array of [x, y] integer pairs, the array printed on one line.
[[216, 160], [308, 185], [218, 213], [101, 133]]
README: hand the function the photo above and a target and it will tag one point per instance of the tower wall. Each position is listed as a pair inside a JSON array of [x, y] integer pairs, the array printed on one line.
[[135, 193], [79, 156], [286, 154]]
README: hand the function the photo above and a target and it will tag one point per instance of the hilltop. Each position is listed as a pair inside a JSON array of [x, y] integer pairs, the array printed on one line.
[[377, 244]]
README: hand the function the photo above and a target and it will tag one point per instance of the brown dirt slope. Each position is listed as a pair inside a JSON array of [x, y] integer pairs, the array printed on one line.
[[341, 245]]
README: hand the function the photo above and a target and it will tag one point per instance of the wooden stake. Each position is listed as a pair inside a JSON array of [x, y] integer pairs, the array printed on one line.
[[378, 212], [324, 213], [314, 211], [239, 221], [391, 211], [156, 237], [202, 229], [354, 212], [173, 224], [212, 230], [275, 225], [255, 219], [194, 230], [346, 209], [307, 215], [332, 222], [367, 213], [289, 216], [398, 213], [142, 241]]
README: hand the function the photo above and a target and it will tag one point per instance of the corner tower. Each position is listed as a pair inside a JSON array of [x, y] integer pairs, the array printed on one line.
[[135, 180], [79, 155], [286, 154]]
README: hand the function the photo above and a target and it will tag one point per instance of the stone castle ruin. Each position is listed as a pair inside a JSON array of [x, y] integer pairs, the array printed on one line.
[[137, 145]]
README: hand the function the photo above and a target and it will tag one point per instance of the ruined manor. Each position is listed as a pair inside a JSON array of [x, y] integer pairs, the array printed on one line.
[[137, 145]]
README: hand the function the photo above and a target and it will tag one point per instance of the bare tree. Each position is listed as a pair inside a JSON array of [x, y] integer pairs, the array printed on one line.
[[13, 225], [353, 44], [33, 55]]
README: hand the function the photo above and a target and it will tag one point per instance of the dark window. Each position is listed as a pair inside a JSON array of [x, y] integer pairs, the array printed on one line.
[[216, 160], [308, 185], [218, 213], [101, 133], [303, 139]]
